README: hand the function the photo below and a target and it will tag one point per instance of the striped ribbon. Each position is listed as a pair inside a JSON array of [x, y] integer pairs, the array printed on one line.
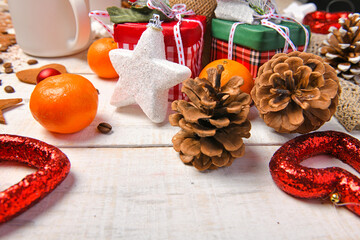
[[282, 30], [96, 14]]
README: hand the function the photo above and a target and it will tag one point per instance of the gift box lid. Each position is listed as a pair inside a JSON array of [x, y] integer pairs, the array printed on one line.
[[190, 31], [258, 37]]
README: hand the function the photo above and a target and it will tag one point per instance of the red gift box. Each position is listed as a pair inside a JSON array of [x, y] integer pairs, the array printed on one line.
[[128, 34], [250, 58]]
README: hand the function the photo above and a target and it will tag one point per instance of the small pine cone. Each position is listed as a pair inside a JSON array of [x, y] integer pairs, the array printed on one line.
[[296, 92], [341, 49], [213, 123]]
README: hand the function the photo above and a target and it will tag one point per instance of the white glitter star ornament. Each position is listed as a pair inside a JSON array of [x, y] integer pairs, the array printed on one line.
[[145, 75]]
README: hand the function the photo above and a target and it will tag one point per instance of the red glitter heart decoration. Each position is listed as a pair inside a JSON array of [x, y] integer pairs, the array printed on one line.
[[52, 164], [337, 184]]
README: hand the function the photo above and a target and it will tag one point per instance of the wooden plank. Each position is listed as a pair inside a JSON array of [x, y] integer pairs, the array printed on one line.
[[131, 127], [147, 193]]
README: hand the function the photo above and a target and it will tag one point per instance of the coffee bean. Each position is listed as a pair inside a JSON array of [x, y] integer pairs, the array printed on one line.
[[7, 65], [9, 70], [32, 61], [0, 82], [1, 61], [104, 127], [9, 89]]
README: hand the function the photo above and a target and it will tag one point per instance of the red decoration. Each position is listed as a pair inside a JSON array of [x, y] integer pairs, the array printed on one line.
[[321, 21], [45, 73], [311, 183], [52, 164]]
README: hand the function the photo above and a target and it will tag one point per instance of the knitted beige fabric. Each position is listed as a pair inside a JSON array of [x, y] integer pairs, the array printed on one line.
[[205, 8], [348, 110]]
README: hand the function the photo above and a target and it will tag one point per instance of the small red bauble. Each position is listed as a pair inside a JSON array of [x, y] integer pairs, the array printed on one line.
[[45, 73], [334, 183], [52, 164]]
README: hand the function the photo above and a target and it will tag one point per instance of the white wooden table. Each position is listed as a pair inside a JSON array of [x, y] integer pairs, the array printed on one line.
[[131, 184]]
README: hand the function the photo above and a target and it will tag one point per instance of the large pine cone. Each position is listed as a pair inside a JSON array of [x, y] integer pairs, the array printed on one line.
[[296, 92], [213, 123], [342, 48]]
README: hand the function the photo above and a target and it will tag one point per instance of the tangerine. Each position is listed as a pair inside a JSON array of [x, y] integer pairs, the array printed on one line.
[[99, 60], [64, 103], [231, 68]]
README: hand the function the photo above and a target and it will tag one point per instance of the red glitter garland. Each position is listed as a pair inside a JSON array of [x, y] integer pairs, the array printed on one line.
[[335, 183], [52, 164], [321, 21]]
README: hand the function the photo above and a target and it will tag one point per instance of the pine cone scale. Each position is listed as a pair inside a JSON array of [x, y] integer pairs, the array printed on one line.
[[190, 146], [295, 115], [222, 160], [239, 152], [210, 147]]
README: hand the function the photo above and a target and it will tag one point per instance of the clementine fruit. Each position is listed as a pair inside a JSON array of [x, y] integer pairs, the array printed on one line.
[[64, 103], [231, 68], [99, 60]]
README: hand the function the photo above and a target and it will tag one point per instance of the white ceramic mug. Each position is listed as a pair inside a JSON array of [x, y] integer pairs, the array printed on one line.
[[51, 28]]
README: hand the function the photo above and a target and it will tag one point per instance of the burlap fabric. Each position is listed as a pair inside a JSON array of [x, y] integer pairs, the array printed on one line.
[[315, 43], [348, 110], [205, 8]]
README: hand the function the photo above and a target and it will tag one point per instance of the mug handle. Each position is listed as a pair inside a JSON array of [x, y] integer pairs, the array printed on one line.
[[82, 21]]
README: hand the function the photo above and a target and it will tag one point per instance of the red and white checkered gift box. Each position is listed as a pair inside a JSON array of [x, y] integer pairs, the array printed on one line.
[[250, 58], [128, 34]]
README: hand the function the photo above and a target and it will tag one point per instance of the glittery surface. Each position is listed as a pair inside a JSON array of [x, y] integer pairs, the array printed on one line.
[[52, 164], [312, 183], [321, 21]]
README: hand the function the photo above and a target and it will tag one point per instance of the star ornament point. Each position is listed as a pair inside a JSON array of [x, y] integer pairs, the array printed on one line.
[[145, 75]]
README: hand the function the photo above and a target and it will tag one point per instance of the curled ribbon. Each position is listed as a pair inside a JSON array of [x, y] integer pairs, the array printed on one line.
[[283, 31], [176, 12]]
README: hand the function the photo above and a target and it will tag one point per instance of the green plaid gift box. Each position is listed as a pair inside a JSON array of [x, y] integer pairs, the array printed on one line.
[[253, 44]]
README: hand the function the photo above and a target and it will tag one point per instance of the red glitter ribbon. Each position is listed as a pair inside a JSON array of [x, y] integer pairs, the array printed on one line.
[[312, 183], [321, 21], [52, 164]]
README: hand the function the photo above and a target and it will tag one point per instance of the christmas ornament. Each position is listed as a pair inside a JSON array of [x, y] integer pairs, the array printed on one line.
[[213, 123], [47, 72], [336, 184], [296, 92], [52, 164], [7, 103], [342, 48], [30, 75], [145, 75]]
